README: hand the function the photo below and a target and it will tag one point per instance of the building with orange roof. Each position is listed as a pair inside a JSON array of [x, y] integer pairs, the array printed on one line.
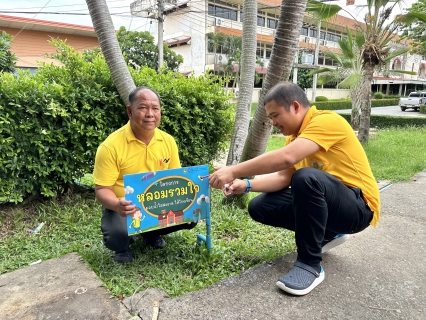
[[31, 38]]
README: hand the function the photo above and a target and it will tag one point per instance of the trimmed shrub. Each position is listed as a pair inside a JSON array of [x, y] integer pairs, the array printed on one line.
[[347, 104], [378, 95], [423, 109], [52, 122], [321, 98]]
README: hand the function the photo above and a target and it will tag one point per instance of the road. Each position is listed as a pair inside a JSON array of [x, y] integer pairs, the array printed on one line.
[[390, 111]]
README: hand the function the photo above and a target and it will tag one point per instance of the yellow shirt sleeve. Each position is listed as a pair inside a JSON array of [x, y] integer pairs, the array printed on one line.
[[106, 171]]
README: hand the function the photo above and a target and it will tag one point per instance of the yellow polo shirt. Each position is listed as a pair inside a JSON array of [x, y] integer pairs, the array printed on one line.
[[122, 153], [341, 154]]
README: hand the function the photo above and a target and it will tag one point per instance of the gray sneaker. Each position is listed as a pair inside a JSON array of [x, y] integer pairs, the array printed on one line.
[[301, 279]]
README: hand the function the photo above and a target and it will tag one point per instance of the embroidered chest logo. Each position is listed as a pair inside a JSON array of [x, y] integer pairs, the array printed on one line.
[[163, 161], [317, 165]]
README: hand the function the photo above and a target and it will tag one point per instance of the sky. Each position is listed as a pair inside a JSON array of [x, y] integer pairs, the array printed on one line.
[[76, 12], [356, 11]]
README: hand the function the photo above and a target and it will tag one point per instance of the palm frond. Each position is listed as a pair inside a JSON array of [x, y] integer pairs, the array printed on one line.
[[322, 11], [351, 81], [326, 78], [318, 71]]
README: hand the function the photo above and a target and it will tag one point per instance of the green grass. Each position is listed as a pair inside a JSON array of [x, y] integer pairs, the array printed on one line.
[[397, 155], [253, 109], [73, 225]]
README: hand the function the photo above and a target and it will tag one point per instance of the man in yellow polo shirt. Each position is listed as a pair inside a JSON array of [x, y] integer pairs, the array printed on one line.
[[323, 189], [138, 146]]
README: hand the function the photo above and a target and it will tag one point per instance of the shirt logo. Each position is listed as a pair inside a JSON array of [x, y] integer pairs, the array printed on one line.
[[164, 161]]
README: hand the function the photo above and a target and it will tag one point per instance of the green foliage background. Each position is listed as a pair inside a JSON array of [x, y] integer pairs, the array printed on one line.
[[139, 50], [7, 58], [52, 122]]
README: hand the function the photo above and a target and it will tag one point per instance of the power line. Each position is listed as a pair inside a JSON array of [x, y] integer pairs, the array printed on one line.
[[28, 22]]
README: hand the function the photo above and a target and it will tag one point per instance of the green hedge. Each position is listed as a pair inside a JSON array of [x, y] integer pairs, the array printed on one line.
[[347, 104], [383, 121], [52, 122]]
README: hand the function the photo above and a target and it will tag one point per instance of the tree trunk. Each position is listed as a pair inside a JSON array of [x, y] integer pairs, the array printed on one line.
[[364, 125], [284, 48], [105, 32], [356, 96], [246, 83]]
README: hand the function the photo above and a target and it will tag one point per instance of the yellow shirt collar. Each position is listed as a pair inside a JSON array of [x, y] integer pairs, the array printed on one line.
[[130, 136], [305, 122]]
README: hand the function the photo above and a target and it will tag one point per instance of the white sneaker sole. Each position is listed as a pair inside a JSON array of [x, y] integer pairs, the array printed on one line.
[[334, 243]]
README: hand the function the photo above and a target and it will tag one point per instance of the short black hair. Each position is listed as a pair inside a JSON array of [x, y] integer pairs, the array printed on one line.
[[132, 95], [285, 93]]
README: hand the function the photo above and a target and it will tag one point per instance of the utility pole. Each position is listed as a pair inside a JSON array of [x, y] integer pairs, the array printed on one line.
[[314, 81], [143, 8], [160, 4]]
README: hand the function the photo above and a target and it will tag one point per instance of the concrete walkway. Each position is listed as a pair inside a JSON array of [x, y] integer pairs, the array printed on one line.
[[377, 274]]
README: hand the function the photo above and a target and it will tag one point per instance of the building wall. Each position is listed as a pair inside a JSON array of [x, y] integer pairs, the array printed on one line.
[[329, 93], [185, 22], [30, 45]]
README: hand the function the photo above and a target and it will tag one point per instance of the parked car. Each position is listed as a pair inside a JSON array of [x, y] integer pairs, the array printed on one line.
[[414, 101]]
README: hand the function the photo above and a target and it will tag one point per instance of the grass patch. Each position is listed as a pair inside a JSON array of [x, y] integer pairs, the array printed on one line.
[[253, 109], [397, 154], [72, 224]]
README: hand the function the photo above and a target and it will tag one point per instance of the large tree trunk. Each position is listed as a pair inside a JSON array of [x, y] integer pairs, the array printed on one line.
[[105, 32], [246, 83], [282, 58], [364, 125]]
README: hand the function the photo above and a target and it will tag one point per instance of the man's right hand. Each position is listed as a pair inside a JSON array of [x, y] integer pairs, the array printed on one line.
[[107, 197], [125, 207]]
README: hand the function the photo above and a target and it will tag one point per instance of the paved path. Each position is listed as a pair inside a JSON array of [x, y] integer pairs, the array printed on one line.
[[390, 111]]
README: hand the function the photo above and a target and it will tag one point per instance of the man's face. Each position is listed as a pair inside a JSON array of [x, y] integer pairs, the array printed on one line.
[[285, 121], [145, 112]]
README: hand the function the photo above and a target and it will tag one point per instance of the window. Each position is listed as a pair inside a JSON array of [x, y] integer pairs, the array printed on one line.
[[260, 21], [333, 37], [268, 51], [222, 12], [328, 62], [259, 52], [272, 23], [313, 33], [304, 31]]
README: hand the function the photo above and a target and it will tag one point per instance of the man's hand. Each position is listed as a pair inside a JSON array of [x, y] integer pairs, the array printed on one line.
[[236, 187], [221, 177], [125, 207]]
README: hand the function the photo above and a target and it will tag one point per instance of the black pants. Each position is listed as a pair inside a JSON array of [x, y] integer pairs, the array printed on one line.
[[114, 230], [316, 207]]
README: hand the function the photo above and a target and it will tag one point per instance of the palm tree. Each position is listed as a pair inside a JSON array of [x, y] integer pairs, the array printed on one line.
[[105, 32], [282, 57], [350, 69], [378, 29], [246, 82]]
